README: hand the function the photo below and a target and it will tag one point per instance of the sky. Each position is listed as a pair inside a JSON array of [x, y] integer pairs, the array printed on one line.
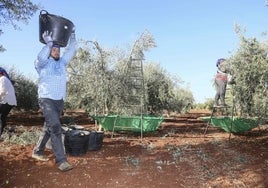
[[190, 34]]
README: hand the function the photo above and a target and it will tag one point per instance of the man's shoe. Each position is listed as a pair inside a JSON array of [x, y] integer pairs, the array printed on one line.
[[40, 157], [65, 166]]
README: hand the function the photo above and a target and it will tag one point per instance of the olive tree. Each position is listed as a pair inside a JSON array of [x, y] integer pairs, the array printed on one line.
[[250, 67], [165, 91], [90, 77], [99, 80], [97, 75]]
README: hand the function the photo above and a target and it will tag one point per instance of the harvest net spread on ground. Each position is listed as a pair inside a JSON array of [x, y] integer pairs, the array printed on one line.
[[227, 116], [148, 123], [233, 124]]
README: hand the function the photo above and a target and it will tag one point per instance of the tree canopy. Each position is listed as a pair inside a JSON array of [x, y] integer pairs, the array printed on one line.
[[14, 11], [250, 65], [99, 80]]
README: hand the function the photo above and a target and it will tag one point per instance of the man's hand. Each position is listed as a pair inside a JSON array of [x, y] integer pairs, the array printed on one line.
[[47, 37], [73, 30]]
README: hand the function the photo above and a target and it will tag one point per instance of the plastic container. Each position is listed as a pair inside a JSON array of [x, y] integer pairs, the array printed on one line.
[[76, 142], [60, 27], [95, 140]]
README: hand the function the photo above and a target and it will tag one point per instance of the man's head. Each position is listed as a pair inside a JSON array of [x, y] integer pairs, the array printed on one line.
[[55, 52], [3, 72], [219, 61]]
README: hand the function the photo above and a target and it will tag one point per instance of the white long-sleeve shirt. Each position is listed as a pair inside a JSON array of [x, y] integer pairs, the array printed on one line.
[[7, 92]]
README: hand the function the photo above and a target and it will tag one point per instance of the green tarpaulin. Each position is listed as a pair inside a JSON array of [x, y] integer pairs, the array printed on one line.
[[235, 124], [129, 123]]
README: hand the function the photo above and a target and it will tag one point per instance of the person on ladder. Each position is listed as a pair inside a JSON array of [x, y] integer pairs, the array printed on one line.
[[221, 79]]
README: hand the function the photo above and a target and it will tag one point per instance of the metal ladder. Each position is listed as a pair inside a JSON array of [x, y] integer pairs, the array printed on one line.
[[224, 111], [135, 94]]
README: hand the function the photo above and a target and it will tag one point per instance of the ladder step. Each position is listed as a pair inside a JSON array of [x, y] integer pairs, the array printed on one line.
[[222, 106]]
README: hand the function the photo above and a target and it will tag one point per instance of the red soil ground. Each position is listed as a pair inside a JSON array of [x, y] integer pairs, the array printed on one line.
[[178, 154]]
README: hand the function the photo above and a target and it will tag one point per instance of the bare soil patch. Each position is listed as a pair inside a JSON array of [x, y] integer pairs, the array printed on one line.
[[176, 155]]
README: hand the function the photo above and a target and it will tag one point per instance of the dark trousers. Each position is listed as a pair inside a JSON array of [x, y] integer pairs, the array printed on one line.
[[4, 111], [51, 110], [221, 90]]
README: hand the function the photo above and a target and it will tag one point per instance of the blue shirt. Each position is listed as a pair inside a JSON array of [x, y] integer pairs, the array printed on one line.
[[52, 74]]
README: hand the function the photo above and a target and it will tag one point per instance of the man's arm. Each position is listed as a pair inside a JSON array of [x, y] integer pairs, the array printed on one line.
[[45, 52], [42, 57], [70, 50]]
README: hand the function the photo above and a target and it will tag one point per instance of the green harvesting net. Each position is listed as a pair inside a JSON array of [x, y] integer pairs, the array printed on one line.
[[129, 123], [235, 124]]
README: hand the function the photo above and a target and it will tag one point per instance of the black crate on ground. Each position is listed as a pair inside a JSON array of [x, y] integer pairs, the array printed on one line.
[[76, 142], [95, 140]]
